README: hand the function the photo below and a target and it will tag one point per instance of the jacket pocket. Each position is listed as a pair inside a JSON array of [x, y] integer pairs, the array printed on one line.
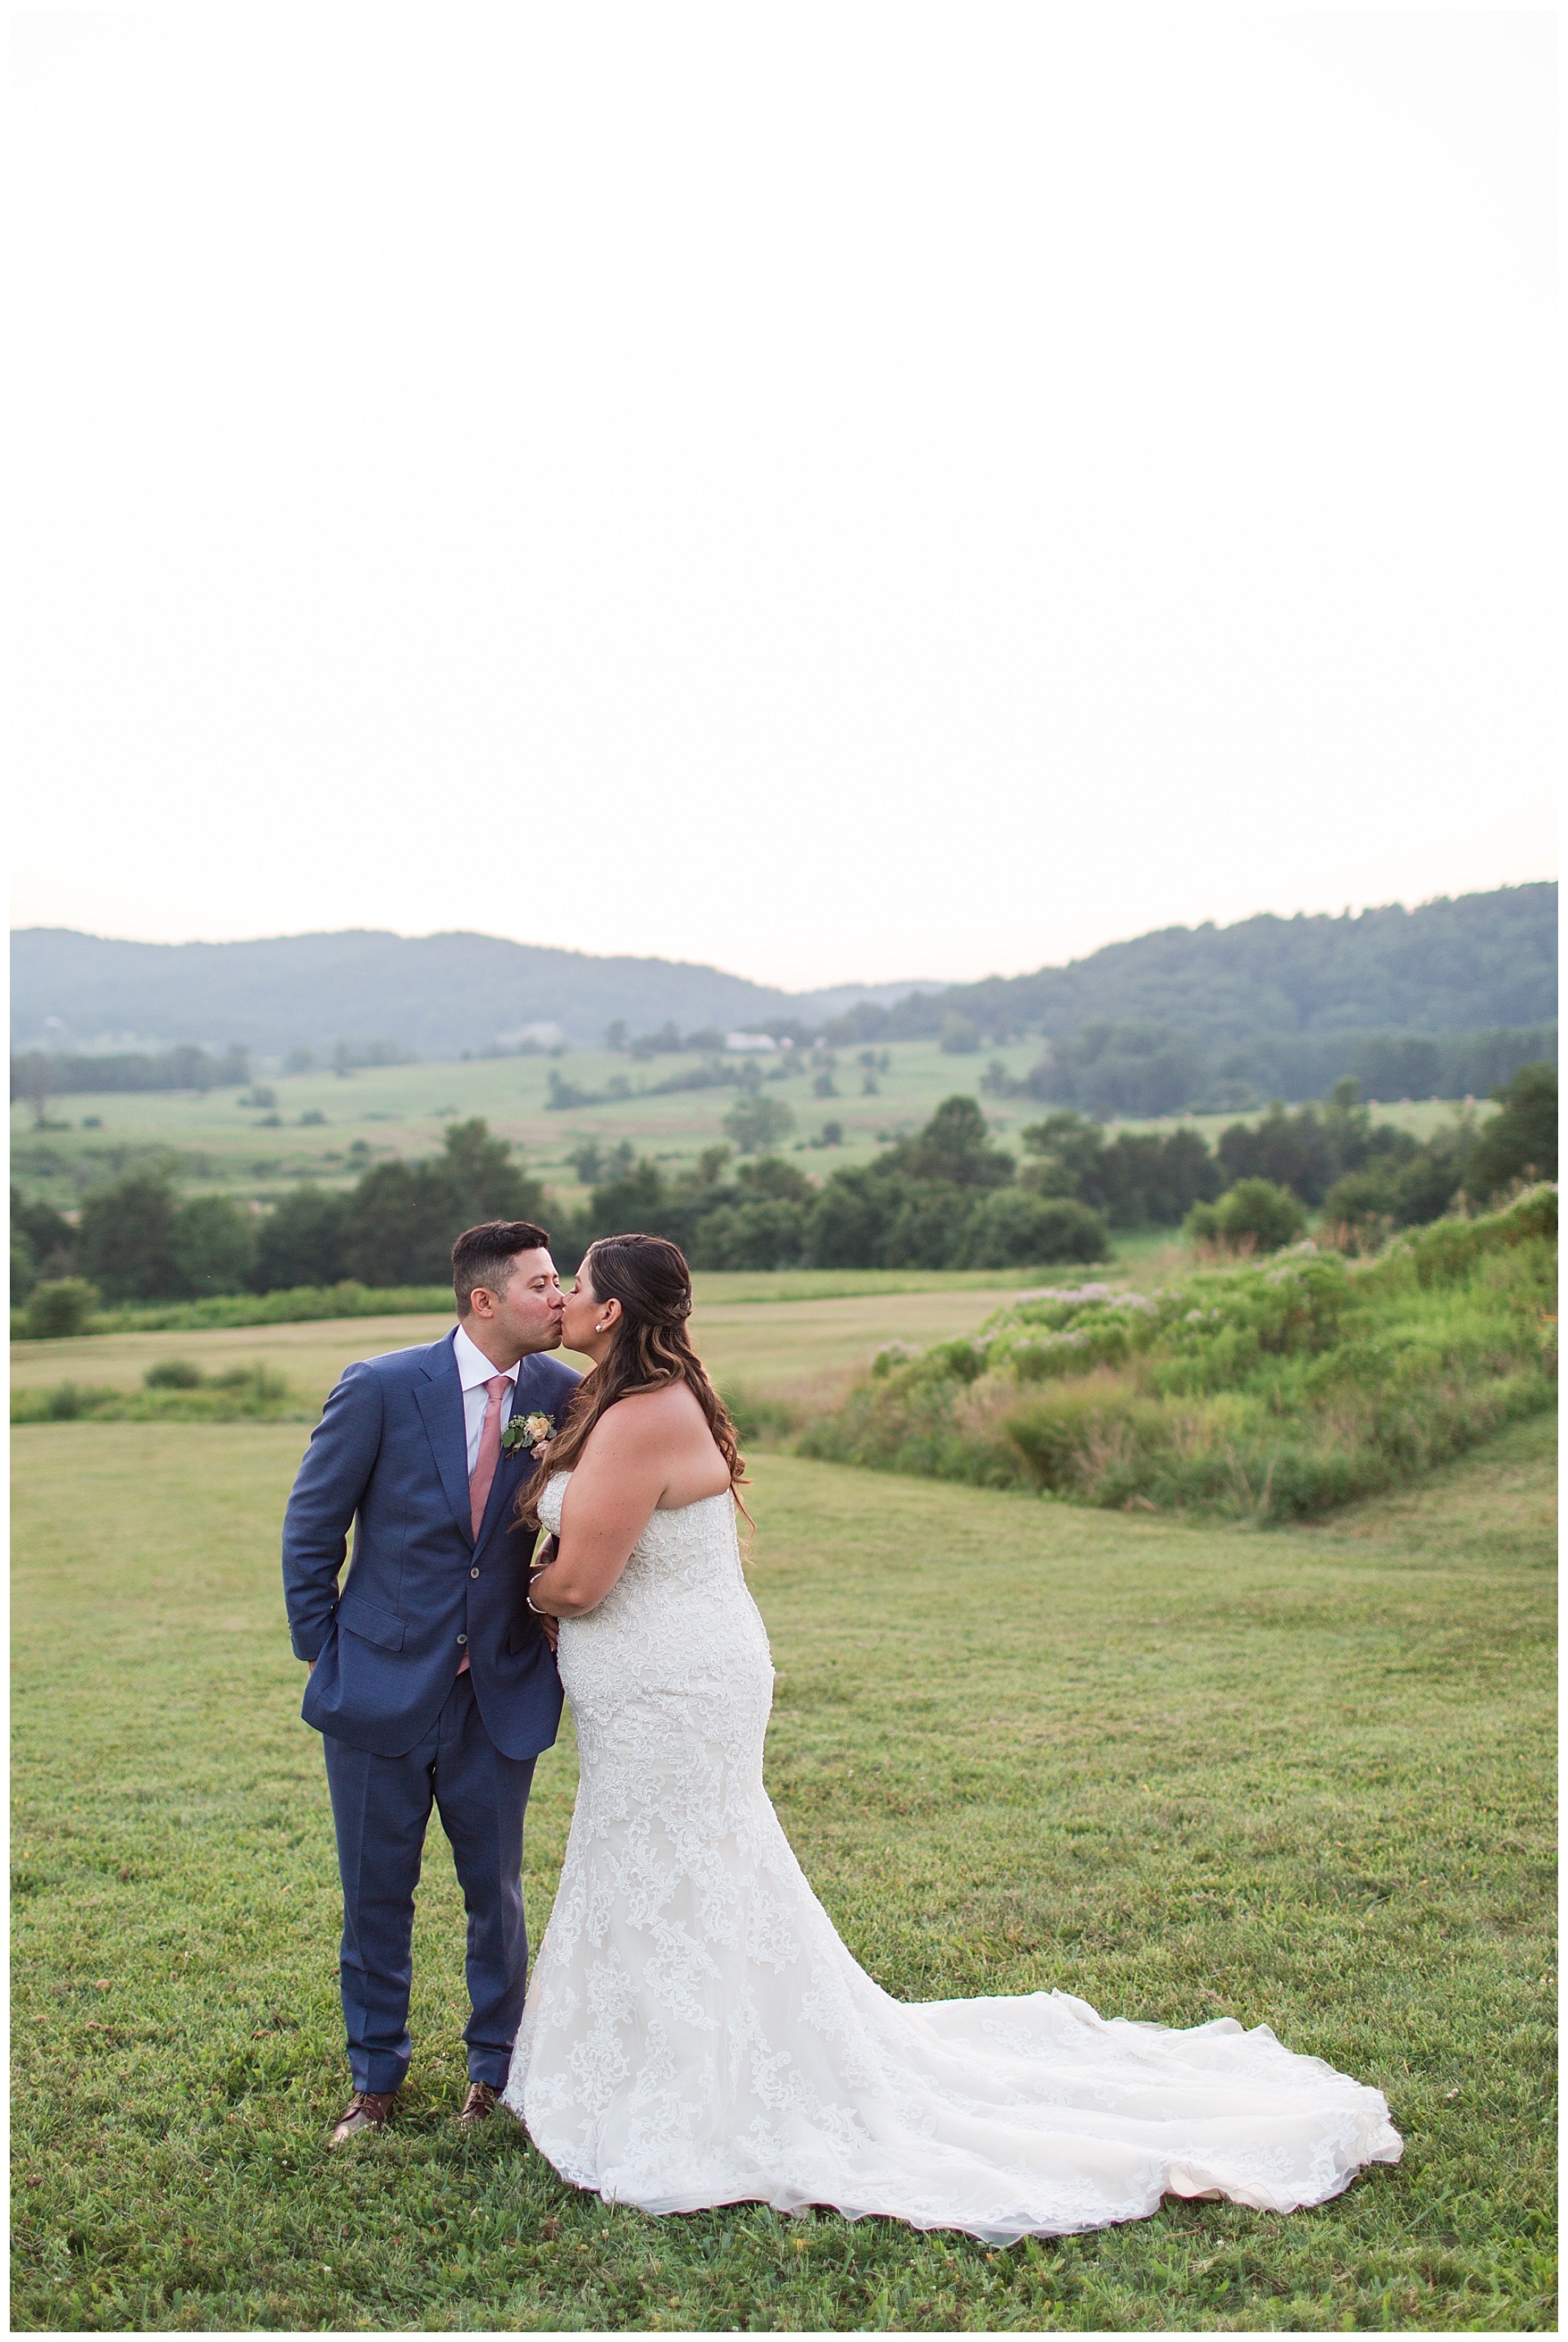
[[371, 1625]]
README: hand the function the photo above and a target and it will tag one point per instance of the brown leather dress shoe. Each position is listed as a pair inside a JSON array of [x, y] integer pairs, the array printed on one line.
[[366, 2110], [478, 2105]]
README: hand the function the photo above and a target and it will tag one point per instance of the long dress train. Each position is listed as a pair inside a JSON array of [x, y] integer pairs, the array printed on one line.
[[695, 2033]]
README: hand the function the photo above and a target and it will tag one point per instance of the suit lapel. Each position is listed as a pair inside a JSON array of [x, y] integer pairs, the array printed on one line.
[[440, 1401]]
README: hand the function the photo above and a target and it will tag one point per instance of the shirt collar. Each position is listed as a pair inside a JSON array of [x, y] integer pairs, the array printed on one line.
[[472, 1366]]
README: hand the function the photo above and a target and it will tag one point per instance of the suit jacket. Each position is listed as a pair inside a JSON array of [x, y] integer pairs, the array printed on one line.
[[391, 1448]]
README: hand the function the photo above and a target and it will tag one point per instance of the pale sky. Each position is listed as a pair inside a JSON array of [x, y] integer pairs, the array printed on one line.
[[837, 491]]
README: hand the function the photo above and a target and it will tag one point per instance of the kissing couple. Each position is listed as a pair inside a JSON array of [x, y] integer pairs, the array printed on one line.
[[694, 2033]]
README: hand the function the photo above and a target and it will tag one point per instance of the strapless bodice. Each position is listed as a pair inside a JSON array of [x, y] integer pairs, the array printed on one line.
[[679, 1609]]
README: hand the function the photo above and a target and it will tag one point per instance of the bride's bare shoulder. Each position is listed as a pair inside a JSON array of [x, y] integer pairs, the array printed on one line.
[[659, 1413], [650, 1419]]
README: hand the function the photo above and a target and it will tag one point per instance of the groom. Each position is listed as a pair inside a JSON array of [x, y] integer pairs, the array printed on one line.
[[430, 1678]]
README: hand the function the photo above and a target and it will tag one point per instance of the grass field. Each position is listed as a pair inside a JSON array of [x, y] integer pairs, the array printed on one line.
[[797, 1353], [404, 1110], [1302, 1777]]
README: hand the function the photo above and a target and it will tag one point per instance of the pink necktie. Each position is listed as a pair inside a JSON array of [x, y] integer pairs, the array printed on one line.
[[489, 1456]]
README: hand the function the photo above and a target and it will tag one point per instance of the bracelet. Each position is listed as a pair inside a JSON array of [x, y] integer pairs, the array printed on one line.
[[533, 1606]]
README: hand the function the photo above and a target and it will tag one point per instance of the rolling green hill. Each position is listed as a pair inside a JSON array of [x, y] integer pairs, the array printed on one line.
[[1290, 996]]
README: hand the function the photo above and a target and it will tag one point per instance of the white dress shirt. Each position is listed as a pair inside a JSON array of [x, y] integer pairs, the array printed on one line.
[[473, 1371]]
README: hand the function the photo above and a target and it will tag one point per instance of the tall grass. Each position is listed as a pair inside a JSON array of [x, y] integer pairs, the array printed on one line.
[[1276, 1388]]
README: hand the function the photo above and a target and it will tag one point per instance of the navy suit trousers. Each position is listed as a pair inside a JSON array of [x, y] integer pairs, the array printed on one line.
[[381, 1806]]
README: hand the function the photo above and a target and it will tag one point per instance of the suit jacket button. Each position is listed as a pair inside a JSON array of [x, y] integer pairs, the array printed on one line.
[[474, 1573], [463, 1638]]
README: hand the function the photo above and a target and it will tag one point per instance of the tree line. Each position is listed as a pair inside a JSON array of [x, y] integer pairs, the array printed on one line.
[[1450, 966], [946, 1198], [41, 1074]]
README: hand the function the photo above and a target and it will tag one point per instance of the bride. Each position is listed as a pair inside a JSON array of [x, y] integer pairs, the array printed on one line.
[[695, 2034]]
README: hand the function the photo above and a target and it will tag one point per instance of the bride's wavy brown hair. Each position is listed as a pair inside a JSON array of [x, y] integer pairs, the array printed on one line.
[[649, 1277]]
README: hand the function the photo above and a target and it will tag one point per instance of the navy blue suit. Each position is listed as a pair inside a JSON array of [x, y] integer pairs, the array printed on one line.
[[401, 1727]]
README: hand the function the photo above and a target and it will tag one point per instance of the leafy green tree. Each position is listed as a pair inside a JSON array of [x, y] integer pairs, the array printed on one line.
[[757, 1124], [1428, 1182], [1289, 1150], [303, 1241], [1398, 1066], [930, 1226], [960, 1035], [484, 1181], [401, 1222], [1066, 1148], [1347, 1127], [1109, 1069], [403, 1217], [853, 1215], [955, 1145], [213, 1246], [764, 1232], [23, 1267], [771, 1176], [125, 1241], [1520, 1143], [42, 1244]]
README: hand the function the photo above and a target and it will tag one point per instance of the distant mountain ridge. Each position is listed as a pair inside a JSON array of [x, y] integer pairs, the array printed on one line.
[[437, 994], [1459, 965]]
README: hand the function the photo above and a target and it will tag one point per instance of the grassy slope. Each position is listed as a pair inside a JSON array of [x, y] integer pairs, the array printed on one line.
[[1303, 1777], [402, 1109]]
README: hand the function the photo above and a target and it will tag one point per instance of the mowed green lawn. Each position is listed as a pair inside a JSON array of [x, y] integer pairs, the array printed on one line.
[[1300, 1776]]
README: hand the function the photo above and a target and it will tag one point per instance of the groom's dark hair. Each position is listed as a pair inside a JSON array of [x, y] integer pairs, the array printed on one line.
[[484, 1256]]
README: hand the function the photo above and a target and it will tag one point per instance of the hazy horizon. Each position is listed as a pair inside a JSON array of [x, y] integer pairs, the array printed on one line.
[[829, 983]]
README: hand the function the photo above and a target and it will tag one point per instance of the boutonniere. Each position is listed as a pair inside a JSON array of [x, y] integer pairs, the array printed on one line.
[[526, 1431]]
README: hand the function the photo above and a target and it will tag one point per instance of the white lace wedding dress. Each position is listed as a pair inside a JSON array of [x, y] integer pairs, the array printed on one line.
[[695, 2033]]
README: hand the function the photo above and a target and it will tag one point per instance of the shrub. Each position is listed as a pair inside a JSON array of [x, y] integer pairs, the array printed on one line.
[[173, 1374], [60, 1309], [1254, 1215], [960, 1035], [233, 1397], [1012, 1228], [1359, 1211], [1086, 1428], [1274, 1388]]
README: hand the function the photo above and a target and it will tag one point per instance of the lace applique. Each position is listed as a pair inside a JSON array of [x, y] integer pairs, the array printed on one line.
[[697, 2033]]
